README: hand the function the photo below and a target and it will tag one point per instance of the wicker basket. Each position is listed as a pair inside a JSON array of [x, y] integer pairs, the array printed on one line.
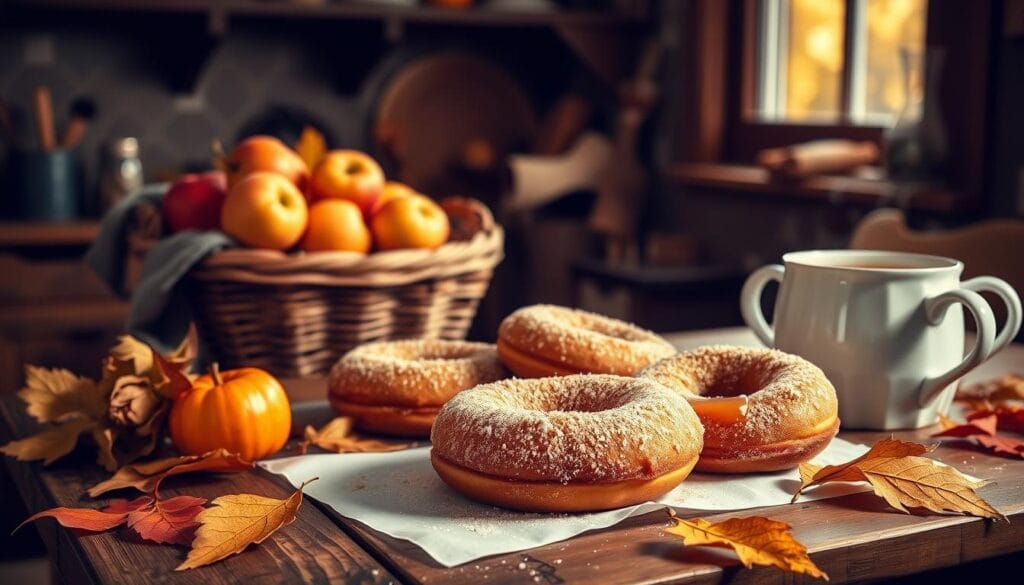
[[296, 314]]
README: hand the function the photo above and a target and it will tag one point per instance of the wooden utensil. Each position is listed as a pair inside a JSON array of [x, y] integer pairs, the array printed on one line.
[[82, 111], [42, 112]]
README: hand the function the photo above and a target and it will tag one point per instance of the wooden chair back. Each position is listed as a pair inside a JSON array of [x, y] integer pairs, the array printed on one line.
[[992, 247]]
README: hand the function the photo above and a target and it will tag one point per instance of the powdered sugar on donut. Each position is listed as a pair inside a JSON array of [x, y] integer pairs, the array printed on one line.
[[583, 428], [583, 341], [416, 373], [789, 397]]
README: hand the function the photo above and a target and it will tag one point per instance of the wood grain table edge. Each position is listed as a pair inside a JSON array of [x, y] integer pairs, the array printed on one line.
[[75, 564]]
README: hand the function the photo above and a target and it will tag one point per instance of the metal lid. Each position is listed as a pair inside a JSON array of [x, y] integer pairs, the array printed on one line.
[[126, 147]]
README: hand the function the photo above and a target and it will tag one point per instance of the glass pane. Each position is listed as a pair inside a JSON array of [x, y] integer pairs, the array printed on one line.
[[801, 59], [889, 60]]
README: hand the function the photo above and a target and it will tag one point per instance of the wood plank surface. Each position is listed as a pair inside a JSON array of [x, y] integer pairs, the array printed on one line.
[[310, 550], [852, 538]]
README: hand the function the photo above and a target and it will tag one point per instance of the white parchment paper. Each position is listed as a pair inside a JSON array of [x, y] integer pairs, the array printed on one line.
[[399, 494]]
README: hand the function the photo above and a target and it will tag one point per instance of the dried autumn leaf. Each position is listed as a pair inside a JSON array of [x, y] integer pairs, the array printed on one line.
[[814, 475], [146, 477], [1010, 418], [105, 437], [236, 521], [122, 506], [130, 349], [170, 521], [982, 431], [985, 425], [50, 444], [1008, 387], [1001, 444], [168, 379], [755, 540], [919, 482], [81, 518], [57, 395], [337, 436]]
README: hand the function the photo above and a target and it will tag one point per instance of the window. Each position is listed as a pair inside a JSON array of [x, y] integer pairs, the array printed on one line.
[[855, 62]]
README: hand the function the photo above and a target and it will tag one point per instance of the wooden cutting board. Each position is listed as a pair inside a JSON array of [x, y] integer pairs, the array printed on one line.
[[434, 106]]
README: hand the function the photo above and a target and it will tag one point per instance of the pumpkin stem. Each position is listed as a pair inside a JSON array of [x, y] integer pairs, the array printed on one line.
[[215, 372]]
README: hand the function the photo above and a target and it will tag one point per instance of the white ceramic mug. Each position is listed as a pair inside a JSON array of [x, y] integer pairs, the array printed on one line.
[[879, 325]]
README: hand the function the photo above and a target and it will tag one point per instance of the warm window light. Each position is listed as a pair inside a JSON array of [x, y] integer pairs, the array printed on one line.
[[802, 62]]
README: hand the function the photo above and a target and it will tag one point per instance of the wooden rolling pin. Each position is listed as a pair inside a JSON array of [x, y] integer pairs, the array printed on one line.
[[818, 157]]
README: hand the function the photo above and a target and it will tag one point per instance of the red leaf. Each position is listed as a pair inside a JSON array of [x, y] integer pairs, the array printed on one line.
[[168, 521], [985, 425], [1010, 418], [1000, 444], [89, 519], [123, 506]]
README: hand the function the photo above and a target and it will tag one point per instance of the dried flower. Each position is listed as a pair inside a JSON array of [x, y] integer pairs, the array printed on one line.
[[134, 403]]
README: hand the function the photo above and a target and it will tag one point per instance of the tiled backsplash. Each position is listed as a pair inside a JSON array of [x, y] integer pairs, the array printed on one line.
[[245, 74]]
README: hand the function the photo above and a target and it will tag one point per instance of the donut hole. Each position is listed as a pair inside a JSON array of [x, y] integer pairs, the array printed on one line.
[[609, 329], [418, 352]]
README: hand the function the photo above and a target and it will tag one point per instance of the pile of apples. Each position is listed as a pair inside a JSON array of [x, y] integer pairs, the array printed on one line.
[[267, 197]]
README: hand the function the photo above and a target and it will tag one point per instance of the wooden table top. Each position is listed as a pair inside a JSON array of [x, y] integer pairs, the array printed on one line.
[[851, 538]]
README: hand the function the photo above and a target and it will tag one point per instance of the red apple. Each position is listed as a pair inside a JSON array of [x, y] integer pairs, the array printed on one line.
[[193, 202]]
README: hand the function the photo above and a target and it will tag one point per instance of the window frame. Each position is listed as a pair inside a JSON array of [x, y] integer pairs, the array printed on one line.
[[716, 85]]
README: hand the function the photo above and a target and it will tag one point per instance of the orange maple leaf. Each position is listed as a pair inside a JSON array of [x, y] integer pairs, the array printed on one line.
[[755, 540]]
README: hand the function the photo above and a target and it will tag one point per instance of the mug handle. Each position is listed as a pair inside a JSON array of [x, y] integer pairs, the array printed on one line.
[[984, 343], [1004, 291], [750, 301]]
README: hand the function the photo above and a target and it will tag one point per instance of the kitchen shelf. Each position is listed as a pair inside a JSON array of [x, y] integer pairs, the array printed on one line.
[[46, 234], [220, 11], [756, 181]]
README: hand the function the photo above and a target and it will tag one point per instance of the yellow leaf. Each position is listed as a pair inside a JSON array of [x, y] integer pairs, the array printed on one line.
[[311, 146], [236, 521], [919, 482], [337, 436], [51, 444], [56, 395], [814, 475], [129, 349], [755, 540]]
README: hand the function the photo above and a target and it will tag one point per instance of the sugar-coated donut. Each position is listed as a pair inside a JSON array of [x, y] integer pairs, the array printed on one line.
[[397, 387], [547, 340], [791, 412], [566, 444]]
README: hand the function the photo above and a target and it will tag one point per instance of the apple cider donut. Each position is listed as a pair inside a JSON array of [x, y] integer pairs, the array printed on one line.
[[547, 340], [566, 444], [791, 411], [397, 387]]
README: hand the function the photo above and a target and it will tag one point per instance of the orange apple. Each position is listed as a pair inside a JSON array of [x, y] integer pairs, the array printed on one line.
[[266, 153], [336, 224], [265, 210], [410, 222], [391, 190], [347, 174]]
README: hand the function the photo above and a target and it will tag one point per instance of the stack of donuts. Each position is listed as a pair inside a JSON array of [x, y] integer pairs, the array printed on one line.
[[596, 414]]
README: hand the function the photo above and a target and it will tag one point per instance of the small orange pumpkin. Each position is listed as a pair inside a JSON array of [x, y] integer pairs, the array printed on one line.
[[245, 411]]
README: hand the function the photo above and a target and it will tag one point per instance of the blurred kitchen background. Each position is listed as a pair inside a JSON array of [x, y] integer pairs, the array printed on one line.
[[637, 152]]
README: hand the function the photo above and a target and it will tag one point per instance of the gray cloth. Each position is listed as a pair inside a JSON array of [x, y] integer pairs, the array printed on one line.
[[107, 254], [160, 309]]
